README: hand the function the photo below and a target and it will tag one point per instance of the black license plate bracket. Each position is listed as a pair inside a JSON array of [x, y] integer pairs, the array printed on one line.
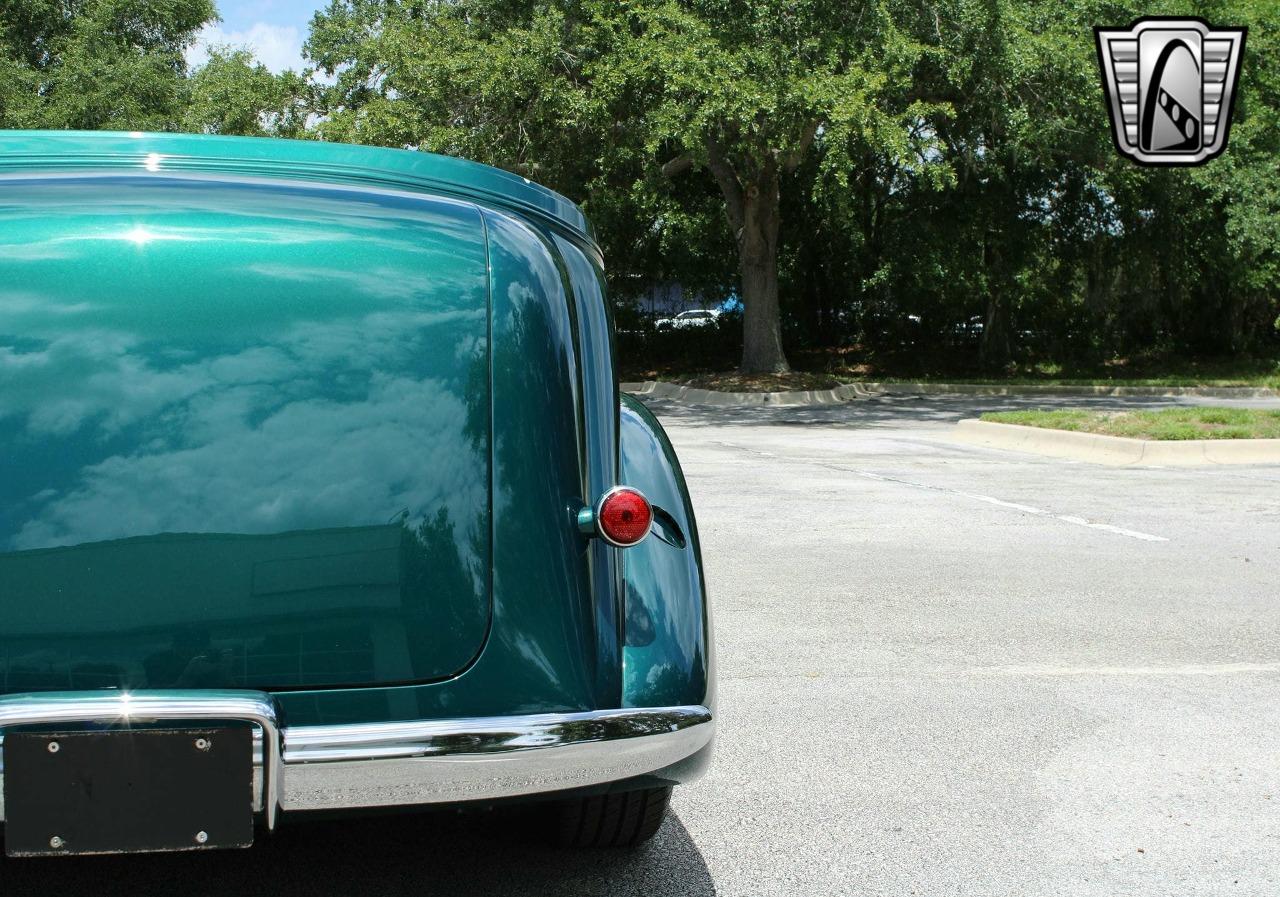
[[128, 791]]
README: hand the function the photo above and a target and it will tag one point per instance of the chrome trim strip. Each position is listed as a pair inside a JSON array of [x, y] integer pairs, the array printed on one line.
[[424, 762], [447, 761], [124, 708]]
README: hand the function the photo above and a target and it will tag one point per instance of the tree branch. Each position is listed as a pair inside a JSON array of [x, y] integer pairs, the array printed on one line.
[[730, 186], [796, 156], [678, 166]]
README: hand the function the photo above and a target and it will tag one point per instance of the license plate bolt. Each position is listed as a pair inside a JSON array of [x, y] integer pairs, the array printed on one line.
[[202, 837], [203, 744], [54, 747], [57, 843]]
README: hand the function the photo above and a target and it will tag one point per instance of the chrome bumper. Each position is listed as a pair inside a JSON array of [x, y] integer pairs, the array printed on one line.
[[401, 764]]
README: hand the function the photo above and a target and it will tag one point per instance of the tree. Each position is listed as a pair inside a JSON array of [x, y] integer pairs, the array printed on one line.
[[744, 90], [1048, 229], [96, 63], [616, 96], [1025, 136], [1242, 188], [878, 171], [233, 94]]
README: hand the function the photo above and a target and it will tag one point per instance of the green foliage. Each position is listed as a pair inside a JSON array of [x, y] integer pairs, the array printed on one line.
[[231, 94], [922, 179], [96, 63], [1033, 224], [610, 102]]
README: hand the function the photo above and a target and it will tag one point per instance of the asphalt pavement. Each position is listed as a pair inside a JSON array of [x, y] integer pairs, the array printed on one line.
[[944, 670]]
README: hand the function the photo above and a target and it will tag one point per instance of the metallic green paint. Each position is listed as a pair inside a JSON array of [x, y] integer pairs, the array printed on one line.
[[246, 434], [262, 287], [599, 385], [668, 653], [298, 160]]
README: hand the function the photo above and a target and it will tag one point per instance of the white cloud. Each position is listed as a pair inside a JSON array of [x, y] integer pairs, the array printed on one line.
[[278, 47]]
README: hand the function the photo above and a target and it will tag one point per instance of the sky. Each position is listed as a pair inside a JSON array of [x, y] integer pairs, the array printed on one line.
[[273, 29]]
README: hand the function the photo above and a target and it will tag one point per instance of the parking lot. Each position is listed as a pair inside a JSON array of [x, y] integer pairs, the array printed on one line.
[[943, 670]]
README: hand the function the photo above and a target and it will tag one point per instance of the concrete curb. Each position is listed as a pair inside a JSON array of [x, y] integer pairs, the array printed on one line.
[[1032, 389], [660, 390], [850, 391], [1117, 450]]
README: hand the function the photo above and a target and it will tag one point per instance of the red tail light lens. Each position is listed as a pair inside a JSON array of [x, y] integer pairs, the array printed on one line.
[[624, 516]]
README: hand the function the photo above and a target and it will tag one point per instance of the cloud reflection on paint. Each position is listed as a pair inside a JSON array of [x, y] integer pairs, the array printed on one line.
[[247, 441], [321, 379], [244, 428]]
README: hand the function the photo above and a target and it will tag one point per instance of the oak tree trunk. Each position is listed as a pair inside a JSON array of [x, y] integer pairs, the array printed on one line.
[[751, 197], [758, 265], [993, 347]]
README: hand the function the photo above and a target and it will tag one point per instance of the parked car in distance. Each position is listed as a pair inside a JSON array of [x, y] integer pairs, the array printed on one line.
[[968, 330], [702, 317], [318, 493]]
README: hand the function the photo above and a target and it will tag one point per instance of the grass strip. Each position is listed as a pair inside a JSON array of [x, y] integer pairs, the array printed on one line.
[[1161, 424]]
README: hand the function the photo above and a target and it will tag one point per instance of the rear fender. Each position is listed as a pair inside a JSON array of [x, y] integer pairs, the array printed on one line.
[[667, 652]]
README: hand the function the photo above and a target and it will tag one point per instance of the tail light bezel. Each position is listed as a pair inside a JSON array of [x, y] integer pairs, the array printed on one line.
[[598, 514]]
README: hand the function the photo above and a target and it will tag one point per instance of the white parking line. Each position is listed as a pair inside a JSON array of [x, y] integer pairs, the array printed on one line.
[[1187, 669], [1120, 530], [972, 496], [1025, 509], [1029, 670]]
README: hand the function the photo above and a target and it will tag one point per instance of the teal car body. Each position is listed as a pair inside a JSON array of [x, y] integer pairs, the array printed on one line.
[[317, 425]]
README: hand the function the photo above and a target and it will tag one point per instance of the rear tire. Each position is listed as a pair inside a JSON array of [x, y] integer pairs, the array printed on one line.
[[625, 819]]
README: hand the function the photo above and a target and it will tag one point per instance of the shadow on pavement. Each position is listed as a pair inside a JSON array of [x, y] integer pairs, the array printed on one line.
[[386, 856]]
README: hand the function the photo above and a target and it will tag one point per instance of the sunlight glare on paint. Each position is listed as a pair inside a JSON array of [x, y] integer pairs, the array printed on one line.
[[140, 236]]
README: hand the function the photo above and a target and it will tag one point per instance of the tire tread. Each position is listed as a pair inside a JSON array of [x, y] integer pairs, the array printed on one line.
[[612, 820]]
